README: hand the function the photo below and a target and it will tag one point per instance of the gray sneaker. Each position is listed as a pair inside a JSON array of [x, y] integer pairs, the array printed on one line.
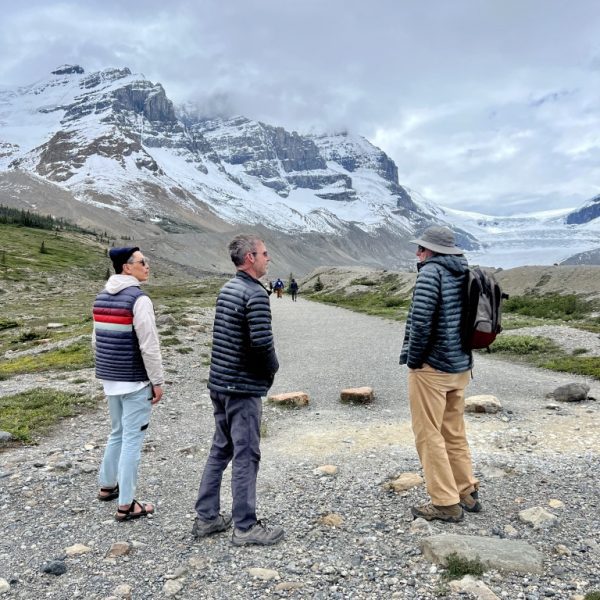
[[259, 534], [203, 528]]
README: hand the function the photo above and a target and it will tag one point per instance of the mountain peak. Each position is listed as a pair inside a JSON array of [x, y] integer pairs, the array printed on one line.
[[68, 70]]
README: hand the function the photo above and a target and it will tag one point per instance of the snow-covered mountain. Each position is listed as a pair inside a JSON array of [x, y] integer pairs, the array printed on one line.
[[115, 141], [541, 238], [125, 155]]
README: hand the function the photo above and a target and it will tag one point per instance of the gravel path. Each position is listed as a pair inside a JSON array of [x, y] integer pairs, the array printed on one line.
[[529, 454]]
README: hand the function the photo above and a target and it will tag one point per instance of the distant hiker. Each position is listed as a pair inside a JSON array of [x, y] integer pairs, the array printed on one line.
[[278, 287], [129, 363], [439, 371], [294, 289], [242, 369], [270, 290]]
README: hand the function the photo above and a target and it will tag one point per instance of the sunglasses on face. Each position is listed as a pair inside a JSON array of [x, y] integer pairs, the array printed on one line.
[[421, 249], [143, 261], [265, 253]]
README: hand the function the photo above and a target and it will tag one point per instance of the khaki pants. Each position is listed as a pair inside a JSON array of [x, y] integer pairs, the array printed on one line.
[[437, 403]]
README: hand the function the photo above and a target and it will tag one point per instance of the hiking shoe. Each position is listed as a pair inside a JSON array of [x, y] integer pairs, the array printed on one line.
[[203, 528], [259, 534], [471, 503], [430, 512]]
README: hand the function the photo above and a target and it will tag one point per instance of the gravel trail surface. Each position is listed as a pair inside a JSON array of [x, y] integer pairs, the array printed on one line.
[[347, 536]]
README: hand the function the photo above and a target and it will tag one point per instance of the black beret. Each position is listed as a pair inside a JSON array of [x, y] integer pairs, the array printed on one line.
[[120, 256]]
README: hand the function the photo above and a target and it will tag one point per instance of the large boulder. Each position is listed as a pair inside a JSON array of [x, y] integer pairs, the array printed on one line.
[[571, 392], [501, 554], [484, 403]]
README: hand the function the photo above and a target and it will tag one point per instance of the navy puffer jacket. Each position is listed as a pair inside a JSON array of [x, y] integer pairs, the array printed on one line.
[[243, 359], [433, 324]]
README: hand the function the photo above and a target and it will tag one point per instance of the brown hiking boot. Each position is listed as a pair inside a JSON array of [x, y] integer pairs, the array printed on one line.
[[470, 502], [430, 512]]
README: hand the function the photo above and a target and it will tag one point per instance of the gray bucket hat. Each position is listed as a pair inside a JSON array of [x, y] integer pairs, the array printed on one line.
[[438, 239]]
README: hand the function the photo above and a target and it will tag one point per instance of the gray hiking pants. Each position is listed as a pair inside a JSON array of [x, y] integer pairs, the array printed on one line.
[[237, 438]]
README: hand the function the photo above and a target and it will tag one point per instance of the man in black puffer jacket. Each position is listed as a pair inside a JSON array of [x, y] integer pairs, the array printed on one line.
[[439, 371], [243, 365]]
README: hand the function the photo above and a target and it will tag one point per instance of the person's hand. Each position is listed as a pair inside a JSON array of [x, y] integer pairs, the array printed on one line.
[[157, 393]]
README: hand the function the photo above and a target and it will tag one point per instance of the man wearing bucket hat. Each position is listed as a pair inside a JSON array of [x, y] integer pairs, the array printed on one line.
[[439, 371]]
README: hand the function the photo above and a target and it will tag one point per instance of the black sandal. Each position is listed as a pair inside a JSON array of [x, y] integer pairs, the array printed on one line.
[[113, 492], [128, 514]]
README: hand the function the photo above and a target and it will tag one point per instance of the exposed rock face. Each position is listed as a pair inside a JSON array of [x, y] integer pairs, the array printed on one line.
[[586, 213], [68, 70], [114, 139]]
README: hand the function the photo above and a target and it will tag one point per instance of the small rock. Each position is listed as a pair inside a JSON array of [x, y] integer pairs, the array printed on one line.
[[55, 567], [286, 586], [172, 587], [55, 325], [198, 562], [4, 585], [5, 436], [493, 472], [538, 517], [290, 399], [77, 549], [123, 591], [562, 550], [469, 585], [179, 572], [264, 574], [571, 392], [326, 470], [359, 395], [165, 320], [331, 520], [119, 549], [510, 531], [420, 526], [485, 403], [404, 482], [554, 503]]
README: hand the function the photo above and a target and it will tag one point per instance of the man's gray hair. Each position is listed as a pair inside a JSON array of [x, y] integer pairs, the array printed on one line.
[[240, 245]]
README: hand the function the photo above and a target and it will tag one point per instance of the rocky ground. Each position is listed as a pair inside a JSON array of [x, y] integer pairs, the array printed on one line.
[[347, 535]]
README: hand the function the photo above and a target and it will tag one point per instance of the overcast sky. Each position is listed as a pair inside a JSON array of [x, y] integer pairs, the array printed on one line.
[[483, 105]]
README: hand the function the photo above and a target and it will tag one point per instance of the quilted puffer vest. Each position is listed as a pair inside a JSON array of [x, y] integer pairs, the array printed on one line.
[[118, 356]]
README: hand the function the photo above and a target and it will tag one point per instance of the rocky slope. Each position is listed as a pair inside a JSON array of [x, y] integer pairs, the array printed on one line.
[[115, 142]]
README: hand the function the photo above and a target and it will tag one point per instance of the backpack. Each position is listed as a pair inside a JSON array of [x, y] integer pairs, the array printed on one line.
[[482, 310]]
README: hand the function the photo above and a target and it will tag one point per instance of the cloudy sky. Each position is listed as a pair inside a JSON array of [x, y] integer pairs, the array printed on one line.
[[484, 105]]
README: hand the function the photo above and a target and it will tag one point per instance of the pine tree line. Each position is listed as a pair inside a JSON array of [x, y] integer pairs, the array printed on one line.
[[26, 218]]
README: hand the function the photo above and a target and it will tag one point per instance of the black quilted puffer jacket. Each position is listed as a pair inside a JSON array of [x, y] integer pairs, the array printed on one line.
[[243, 359], [433, 333]]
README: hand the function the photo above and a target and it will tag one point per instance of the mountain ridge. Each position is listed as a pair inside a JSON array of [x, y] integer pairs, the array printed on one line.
[[114, 142]]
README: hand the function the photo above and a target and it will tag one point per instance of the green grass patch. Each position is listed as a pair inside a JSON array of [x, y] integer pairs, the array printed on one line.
[[28, 414], [523, 344], [457, 567], [580, 365], [71, 358], [170, 341], [184, 350], [552, 306], [370, 303], [595, 595], [22, 256], [8, 324]]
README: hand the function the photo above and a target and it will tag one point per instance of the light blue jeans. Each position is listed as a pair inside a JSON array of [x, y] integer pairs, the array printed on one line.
[[129, 416]]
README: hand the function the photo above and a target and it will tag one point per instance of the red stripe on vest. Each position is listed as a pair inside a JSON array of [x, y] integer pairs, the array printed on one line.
[[113, 319]]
